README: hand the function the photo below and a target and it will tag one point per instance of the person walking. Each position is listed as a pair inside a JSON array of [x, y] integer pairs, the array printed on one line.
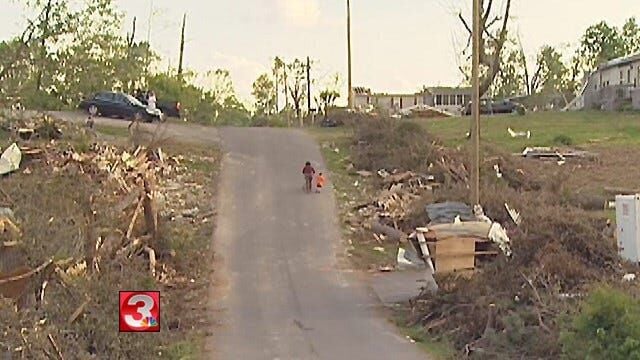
[[308, 171], [151, 100], [319, 182]]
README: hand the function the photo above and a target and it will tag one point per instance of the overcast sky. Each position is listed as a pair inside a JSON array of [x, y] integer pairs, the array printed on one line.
[[398, 45]]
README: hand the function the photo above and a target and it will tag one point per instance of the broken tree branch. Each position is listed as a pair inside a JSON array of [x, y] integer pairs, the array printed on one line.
[[134, 218], [27, 274], [152, 259], [78, 312], [55, 347]]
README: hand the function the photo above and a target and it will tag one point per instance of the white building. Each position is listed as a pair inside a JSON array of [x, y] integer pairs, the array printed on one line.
[[449, 99], [613, 84]]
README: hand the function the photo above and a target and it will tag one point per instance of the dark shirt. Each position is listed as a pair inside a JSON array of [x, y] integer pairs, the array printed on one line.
[[308, 170]]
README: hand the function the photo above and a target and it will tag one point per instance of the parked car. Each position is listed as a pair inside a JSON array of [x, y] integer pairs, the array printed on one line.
[[117, 104], [497, 107], [331, 122]]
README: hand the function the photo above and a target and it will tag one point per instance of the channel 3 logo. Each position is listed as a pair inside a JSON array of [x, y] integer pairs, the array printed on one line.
[[139, 311]]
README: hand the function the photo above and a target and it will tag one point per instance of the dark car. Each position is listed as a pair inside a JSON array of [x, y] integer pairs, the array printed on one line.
[[497, 107], [117, 104], [331, 122]]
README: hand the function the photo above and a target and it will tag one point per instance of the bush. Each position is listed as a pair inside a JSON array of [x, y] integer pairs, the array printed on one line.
[[608, 327], [268, 121], [563, 140], [383, 143]]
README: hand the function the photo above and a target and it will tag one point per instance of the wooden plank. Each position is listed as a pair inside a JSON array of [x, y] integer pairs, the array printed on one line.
[[425, 251], [444, 263], [476, 239], [476, 253], [469, 228]]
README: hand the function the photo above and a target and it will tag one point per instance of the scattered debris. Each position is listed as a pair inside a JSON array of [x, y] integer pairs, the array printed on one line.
[[496, 167], [515, 216], [10, 159], [364, 173], [548, 153], [445, 213], [514, 134]]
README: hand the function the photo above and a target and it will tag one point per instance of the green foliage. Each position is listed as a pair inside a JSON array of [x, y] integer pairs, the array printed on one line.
[[563, 140], [607, 327], [67, 52], [511, 80], [602, 42], [553, 76], [264, 92]]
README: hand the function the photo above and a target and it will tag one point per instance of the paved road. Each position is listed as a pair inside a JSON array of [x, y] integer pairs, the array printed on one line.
[[280, 292], [284, 295]]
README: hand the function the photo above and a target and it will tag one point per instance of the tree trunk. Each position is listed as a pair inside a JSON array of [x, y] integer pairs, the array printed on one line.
[[495, 62], [277, 80], [132, 38], [43, 44], [308, 85], [184, 22]]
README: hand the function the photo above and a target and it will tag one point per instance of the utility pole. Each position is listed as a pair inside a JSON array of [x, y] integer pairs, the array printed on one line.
[[349, 53], [150, 21], [308, 85], [184, 22], [475, 110], [146, 60]]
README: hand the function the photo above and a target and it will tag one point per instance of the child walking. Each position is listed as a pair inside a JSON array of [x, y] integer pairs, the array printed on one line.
[[319, 182]]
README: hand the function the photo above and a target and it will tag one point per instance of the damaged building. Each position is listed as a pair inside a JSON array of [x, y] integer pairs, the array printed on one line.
[[447, 99]]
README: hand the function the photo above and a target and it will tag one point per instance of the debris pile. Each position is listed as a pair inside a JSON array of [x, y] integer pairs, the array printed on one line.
[[548, 153], [544, 252], [78, 221]]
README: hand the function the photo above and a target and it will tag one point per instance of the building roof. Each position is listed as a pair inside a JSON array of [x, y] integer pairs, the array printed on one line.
[[621, 61], [361, 90], [449, 90], [436, 90]]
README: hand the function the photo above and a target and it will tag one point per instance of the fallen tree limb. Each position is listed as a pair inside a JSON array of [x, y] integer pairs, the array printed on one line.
[[27, 274], [78, 311], [152, 259], [393, 234], [136, 213], [55, 347]]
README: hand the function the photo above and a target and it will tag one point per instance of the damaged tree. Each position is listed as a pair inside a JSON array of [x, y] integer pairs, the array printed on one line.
[[492, 42]]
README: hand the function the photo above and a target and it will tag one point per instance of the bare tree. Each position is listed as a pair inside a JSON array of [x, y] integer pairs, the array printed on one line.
[[43, 44], [297, 91], [492, 41]]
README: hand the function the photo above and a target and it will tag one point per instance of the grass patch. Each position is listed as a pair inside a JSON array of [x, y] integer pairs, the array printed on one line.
[[437, 349], [183, 350], [583, 127], [113, 130], [360, 250], [4, 135]]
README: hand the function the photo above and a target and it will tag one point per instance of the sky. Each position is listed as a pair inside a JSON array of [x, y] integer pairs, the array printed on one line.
[[397, 45]]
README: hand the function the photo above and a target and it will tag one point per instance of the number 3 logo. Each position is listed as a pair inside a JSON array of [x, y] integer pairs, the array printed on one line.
[[144, 311], [139, 311]]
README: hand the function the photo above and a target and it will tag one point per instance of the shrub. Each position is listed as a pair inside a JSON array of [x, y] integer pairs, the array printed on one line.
[[563, 140], [607, 327]]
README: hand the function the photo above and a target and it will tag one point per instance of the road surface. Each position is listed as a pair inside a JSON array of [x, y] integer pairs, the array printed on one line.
[[279, 290], [283, 294]]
